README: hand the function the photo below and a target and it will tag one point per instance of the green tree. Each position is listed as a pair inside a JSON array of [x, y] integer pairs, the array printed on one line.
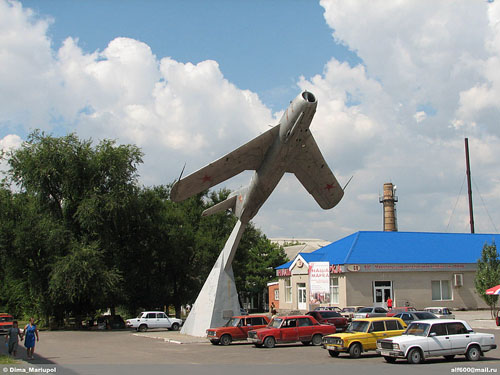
[[76, 200], [488, 274]]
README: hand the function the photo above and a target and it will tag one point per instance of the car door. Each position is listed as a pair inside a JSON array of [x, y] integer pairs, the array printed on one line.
[[438, 340], [150, 320], [305, 329], [375, 332], [289, 330], [393, 328], [162, 320], [459, 337]]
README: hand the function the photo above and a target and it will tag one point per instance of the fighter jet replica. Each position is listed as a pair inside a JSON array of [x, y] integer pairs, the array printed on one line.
[[287, 147]]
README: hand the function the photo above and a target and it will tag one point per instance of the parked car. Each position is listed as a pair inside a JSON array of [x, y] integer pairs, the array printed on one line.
[[328, 308], [397, 310], [329, 317], [441, 312], [349, 311], [362, 335], [154, 319], [292, 328], [435, 338], [411, 316], [5, 323], [370, 312], [236, 328], [110, 322]]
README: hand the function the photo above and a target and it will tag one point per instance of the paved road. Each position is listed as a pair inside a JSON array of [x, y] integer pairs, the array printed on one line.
[[124, 352]]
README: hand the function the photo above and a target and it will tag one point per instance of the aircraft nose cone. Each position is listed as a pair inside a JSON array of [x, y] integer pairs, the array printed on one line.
[[309, 97]]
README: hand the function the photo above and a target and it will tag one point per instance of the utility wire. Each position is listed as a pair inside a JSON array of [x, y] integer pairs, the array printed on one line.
[[484, 205], [458, 197]]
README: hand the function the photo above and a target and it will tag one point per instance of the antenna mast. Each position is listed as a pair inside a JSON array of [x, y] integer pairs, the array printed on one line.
[[467, 166]]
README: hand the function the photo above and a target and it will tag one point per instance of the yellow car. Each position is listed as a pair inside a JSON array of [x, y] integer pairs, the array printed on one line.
[[361, 335]]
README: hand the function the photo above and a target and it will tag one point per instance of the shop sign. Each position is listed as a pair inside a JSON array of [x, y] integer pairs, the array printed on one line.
[[353, 267], [319, 282], [336, 268], [387, 267], [283, 272]]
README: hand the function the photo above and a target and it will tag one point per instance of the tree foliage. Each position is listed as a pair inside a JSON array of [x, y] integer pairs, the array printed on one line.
[[79, 234], [488, 274]]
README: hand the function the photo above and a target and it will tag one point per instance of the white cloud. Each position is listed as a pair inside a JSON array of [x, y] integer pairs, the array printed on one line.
[[430, 76]]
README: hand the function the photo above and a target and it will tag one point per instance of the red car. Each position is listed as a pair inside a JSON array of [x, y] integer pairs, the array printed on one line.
[[293, 328], [5, 323], [397, 310], [236, 329], [329, 317]]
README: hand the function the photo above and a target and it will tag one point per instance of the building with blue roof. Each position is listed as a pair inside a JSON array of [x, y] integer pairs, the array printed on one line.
[[367, 268]]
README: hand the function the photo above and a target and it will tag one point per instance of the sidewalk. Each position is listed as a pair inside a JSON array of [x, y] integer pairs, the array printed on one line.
[[478, 319]]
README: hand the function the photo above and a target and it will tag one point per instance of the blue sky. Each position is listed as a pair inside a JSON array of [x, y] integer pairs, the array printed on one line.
[[262, 46], [190, 81]]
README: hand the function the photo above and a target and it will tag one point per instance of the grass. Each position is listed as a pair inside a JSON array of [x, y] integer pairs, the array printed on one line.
[[6, 360]]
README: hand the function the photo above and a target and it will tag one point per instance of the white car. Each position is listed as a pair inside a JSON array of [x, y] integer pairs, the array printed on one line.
[[441, 312], [154, 319], [434, 338]]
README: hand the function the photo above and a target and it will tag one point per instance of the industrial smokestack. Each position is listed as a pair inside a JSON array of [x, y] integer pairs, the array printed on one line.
[[389, 200]]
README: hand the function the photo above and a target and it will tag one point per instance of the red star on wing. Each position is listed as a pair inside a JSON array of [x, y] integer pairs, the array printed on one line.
[[206, 178], [328, 187]]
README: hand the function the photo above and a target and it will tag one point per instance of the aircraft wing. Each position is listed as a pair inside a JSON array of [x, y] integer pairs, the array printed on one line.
[[247, 157], [312, 171]]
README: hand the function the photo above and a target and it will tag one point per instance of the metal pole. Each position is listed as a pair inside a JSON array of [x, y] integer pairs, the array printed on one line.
[[467, 166]]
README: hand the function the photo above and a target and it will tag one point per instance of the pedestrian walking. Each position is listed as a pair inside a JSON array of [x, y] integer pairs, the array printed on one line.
[[12, 338], [30, 332]]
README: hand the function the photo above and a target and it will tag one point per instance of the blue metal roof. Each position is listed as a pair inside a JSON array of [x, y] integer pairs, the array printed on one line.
[[401, 247]]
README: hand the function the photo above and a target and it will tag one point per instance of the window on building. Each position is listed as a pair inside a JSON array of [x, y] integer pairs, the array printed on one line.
[[334, 290], [441, 290], [276, 294], [288, 290]]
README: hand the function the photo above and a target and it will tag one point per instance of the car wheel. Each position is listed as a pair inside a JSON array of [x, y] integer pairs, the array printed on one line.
[[317, 340], [473, 353], [225, 340], [215, 342], [390, 359], [306, 342], [269, 342], [142, 328], [355, 350], [175, 327], [449, 357], [415, 356], [333, 353]]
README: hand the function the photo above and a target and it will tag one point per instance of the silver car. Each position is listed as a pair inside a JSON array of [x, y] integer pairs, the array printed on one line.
[[441, 312], [370, 312]]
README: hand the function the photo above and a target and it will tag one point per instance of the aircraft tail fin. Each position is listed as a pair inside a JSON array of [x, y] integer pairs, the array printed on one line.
[[234, 203]]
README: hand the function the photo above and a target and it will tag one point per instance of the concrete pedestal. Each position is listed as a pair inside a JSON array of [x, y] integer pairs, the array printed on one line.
[[218, 299]]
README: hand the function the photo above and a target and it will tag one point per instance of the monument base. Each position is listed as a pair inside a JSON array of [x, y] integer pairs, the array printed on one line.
[[218, 299]]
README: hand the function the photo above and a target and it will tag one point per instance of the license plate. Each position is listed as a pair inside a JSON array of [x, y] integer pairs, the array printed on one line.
[[332, 347], [385, 353]]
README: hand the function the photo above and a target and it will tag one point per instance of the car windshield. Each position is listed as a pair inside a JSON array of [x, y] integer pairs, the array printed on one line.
[[140, 315], [233, 322], [358, 326], [425, 315], [365, 309], [6, 319], [435, 311], [348, 309], [275, 323], [417, 329]]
